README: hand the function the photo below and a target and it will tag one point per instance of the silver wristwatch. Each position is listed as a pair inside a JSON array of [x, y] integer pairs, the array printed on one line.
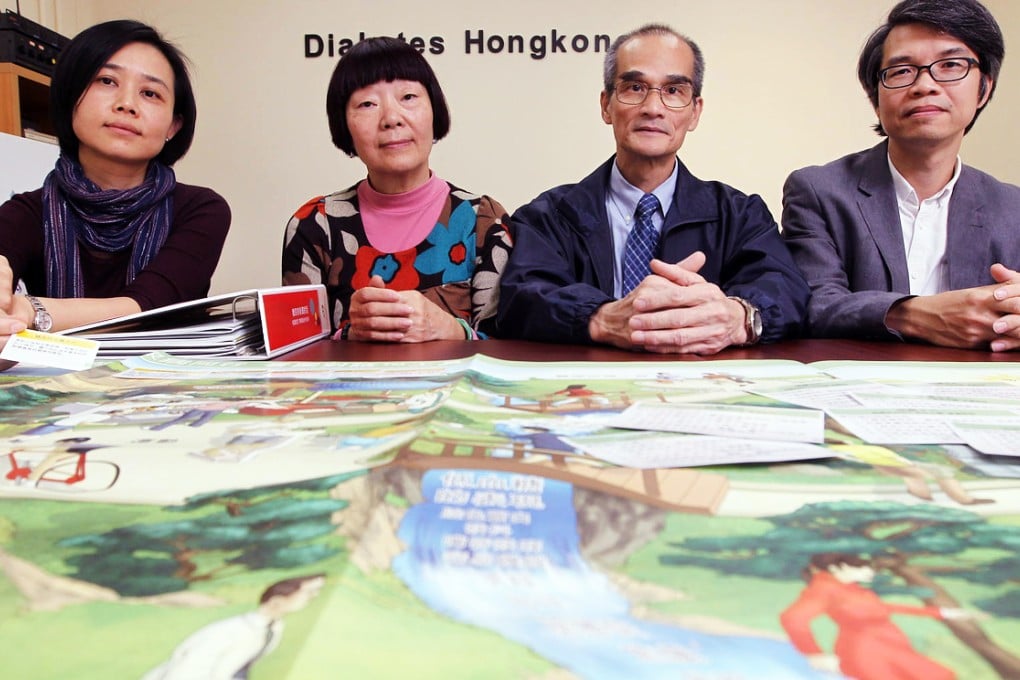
[[42, 321], [753, 326]]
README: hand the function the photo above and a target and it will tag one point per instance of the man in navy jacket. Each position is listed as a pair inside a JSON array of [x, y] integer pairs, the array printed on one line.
[[721, 274]]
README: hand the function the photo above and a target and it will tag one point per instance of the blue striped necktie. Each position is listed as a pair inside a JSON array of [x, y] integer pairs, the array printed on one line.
[[641, 242]]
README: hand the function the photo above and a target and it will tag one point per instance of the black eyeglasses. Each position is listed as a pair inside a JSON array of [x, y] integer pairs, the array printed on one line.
[[941, 71], [673, 96]]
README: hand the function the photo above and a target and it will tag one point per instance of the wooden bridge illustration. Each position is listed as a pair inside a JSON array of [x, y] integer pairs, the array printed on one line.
[[687, 490], [560, 404]]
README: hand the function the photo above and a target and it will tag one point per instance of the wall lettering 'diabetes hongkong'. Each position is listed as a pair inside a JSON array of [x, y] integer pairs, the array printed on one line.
[[476, 42]]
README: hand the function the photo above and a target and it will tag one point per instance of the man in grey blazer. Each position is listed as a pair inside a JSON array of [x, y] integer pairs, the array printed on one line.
[[902, 240]]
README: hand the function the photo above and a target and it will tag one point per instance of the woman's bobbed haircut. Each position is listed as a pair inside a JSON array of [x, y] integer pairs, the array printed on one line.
[[88, 52], [380, 59]]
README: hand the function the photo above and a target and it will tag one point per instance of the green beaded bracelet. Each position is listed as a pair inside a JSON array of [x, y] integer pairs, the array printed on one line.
[[468, 333]]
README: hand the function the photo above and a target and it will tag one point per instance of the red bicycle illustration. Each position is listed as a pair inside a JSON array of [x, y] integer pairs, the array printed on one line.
[[66, 467]]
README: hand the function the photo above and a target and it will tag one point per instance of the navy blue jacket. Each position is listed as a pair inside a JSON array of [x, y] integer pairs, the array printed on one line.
[[561, 269]]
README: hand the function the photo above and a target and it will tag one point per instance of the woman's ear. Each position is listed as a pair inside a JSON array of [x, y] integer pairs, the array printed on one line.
[[175, 127]]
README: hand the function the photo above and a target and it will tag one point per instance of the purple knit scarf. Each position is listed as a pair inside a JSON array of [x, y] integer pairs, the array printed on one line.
[[75, 211]]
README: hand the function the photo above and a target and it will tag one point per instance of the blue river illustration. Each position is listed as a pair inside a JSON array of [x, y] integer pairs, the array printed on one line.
[[501, 551]]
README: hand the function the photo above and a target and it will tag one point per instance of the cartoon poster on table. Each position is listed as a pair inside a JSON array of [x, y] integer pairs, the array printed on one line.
[[476, 517]]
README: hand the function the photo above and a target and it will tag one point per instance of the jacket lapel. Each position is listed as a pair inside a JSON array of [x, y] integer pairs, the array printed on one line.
[[693, 202], [968, 242], [876, 200], [587, 202]]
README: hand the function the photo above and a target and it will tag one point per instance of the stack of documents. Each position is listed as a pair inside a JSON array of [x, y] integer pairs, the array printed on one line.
[[222, 334], [250, 324]]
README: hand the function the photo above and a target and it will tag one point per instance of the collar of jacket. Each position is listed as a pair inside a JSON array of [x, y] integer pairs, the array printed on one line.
[[584, 204]]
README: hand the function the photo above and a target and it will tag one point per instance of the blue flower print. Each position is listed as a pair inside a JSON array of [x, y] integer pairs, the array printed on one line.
[[385, 267], [453, 247]]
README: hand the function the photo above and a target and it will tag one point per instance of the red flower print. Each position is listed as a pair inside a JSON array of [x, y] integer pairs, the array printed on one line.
[[395, 269]]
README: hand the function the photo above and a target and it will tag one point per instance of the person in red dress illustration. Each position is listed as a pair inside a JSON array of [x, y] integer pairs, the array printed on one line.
[[869, 646]]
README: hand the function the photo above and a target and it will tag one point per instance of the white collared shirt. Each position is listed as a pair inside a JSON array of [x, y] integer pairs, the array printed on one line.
[[925, 226], [621, 204]]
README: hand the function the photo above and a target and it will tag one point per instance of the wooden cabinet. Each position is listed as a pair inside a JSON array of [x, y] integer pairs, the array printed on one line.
[[24, 101]]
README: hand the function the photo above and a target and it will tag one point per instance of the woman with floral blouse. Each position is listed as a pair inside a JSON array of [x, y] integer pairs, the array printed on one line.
[[405, 255]]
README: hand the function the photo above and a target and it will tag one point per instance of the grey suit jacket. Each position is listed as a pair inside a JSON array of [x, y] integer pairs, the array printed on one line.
[[842, 225]]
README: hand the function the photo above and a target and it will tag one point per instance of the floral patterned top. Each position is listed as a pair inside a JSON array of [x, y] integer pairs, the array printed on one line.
[[457, 266]]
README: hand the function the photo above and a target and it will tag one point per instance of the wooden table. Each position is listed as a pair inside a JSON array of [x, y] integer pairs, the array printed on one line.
[[805, 351]]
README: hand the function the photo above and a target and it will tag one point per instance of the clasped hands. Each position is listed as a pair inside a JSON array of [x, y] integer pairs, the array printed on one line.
[[985, 317], [378, 314], [673, 310]]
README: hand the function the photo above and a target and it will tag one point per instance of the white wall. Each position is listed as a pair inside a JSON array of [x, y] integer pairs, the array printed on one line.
[[780, 93], [26, 164]]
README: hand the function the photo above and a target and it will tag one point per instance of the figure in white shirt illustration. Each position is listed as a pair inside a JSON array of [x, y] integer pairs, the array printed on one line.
[[227, 649]]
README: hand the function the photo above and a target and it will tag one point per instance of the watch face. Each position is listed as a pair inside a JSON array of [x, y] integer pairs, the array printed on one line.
[[43, 322]]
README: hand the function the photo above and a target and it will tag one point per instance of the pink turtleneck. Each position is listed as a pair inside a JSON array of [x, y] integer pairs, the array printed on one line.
[[397, 222]]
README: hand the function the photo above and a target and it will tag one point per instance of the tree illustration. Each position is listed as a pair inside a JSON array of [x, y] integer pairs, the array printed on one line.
[[22, 398], [274, 527], [912, 545]]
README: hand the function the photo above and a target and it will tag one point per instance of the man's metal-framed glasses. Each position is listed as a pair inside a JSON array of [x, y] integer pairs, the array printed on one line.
[[941, 71], [673, 95]]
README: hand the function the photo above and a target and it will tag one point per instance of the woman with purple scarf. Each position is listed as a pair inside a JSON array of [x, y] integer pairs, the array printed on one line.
[[111, 232]]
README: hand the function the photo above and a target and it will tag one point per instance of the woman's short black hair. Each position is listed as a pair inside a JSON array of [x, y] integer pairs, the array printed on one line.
[[968, 21], [380, 59], [88, 52]]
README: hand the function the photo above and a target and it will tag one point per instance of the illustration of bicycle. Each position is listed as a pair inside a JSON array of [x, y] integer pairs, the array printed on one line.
[[67, 468]]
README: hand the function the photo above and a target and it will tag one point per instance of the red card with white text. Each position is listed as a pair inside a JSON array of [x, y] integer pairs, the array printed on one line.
[[293, 316]]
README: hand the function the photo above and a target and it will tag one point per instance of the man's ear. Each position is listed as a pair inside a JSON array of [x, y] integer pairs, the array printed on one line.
[[699, 105], [604, 105], [985, 91]]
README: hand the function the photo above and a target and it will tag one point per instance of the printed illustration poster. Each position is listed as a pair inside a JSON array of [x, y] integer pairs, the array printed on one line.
[[274, 521]]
